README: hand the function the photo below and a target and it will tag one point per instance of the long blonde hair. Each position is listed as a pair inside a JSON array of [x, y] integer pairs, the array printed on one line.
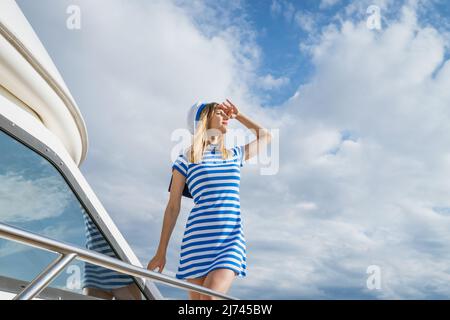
[[199, 140]]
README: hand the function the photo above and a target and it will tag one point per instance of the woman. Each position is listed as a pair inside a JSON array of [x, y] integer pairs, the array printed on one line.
[[213, 250]]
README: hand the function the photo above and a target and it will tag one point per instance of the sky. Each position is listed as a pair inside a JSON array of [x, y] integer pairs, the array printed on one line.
[[362, 115], [51, 209]]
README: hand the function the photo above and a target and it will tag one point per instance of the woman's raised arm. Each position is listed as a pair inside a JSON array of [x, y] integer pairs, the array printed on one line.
[[263, 136]]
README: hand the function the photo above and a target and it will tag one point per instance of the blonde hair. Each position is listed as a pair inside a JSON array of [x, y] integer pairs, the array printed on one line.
[[199, 140]]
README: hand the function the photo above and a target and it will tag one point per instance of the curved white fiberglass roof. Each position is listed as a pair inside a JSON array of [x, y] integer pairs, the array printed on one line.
[[29, 74]]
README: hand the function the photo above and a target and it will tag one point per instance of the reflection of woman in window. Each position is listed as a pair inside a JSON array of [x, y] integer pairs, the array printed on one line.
[[213, 250], [100, 282]]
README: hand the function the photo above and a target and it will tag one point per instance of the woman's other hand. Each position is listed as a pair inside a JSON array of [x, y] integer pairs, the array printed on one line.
[[158, 261]]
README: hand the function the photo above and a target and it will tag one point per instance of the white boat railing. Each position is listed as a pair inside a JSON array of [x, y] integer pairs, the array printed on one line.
[[69, 252]]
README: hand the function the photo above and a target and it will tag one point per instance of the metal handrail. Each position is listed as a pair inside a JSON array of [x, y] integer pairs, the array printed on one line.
[[41, 242], [45, 277]]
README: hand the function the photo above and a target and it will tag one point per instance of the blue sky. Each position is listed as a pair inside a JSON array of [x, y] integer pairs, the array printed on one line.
[[278, 37], [363, 130]]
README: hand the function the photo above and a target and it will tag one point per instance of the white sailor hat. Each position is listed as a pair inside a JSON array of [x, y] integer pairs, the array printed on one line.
[[193, 115]]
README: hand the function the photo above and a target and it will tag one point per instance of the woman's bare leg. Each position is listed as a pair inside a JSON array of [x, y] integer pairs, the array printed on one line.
[[193, 295], [218, 280]]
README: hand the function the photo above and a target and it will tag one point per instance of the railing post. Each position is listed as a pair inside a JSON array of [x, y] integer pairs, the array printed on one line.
[[45, 277]]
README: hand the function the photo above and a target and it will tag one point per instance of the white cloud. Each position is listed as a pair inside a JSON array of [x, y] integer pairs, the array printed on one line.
[[276, 7], [324, 4], [268, 82], [374, 195], [305, 20], [31, 199], [284, 8], [289, 11]]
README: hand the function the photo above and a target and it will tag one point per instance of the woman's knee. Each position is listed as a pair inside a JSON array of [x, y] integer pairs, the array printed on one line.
[[220, 280], [194, 295]]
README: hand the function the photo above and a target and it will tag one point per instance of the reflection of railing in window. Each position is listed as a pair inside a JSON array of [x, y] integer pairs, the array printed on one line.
[[69, 252]]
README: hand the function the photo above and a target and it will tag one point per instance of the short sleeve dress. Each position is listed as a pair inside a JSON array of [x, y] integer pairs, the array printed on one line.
[[214, 234]]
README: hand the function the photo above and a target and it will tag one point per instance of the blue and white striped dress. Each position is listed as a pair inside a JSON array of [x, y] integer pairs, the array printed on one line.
[[214, 234], [95, 276]]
